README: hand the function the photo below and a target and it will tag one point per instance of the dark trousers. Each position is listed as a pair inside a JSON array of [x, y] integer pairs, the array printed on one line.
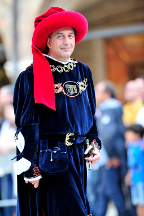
[[110, 189], [94, 188]]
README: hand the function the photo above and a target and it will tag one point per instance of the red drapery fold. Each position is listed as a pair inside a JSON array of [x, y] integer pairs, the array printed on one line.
[[43, 80]]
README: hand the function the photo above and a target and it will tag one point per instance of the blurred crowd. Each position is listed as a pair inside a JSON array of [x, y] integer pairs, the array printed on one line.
[[7, 149], [119, 175]]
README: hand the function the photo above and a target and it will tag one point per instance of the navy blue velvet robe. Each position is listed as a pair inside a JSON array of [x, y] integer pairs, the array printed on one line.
[[62, 195]]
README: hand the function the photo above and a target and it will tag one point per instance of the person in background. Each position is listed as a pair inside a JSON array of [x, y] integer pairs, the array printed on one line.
[[94, 181], [140, 113], [133, 102], [7, 149], [6, 96], [140, 85], [111, 132], [135, 176]]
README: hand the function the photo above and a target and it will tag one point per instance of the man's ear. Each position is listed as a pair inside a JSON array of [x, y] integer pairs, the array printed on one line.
[[49, 43]]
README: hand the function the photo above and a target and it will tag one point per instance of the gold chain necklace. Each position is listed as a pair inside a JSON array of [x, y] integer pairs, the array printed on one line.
[[65, 68]]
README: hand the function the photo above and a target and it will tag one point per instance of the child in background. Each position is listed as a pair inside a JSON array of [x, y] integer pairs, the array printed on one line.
[[135, 157]]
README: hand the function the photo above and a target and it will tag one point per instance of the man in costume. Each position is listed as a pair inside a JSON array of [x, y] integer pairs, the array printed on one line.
[[54, 104]]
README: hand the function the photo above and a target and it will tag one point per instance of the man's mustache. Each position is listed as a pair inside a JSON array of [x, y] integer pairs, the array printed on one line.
[[65, 47]]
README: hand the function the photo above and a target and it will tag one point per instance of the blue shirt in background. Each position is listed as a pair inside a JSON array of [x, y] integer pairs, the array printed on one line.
[[135, 155]]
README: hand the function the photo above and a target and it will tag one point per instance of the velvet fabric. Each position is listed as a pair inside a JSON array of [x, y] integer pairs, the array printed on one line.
[[53, 157], [43, 83], [75, 103], [75, 108]]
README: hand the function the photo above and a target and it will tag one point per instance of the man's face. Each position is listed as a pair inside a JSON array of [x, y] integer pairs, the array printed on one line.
[[61, 44], [131, 136], [131, 91]]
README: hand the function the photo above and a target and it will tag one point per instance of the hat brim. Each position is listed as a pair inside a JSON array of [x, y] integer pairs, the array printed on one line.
[[57, 21]]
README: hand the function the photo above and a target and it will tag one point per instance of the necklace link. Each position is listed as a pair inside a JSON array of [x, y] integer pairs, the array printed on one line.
[[65, 68]]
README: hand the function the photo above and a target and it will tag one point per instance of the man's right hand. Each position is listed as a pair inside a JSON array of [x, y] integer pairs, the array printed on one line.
[[35, 183]]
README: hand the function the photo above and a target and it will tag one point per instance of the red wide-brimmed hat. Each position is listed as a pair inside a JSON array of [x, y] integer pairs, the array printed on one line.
[[55, 18]]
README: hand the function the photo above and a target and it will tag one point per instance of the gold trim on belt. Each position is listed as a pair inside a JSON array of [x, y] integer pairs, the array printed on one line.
[[67, 139]]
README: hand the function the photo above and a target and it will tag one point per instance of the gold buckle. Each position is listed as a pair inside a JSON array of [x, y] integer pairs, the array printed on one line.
[[67, 139]]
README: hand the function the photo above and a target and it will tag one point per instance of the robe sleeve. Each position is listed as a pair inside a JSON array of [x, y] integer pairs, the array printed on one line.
[[92, 135], [27, 120]]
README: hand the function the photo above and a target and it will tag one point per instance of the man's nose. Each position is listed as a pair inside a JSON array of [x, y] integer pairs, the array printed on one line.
[[66, 40]]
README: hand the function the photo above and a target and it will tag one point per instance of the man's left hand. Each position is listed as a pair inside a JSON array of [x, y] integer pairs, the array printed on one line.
[[94, 157]]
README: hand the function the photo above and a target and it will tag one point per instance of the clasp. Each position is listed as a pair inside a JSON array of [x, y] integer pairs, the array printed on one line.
[[68, 138]]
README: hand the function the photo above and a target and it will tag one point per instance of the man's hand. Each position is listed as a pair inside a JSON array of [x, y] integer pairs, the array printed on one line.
[[95, 156], [113, 162], [34, 183]]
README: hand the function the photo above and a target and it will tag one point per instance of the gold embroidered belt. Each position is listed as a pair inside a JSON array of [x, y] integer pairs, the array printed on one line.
[[69, 138]]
